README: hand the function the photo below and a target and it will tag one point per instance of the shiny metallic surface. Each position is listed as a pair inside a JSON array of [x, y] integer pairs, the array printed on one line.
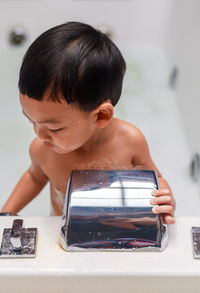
[[111, 210], [195, 167], [196, 241], [16, 234], [17, 36], [18, 242], [6, 214]]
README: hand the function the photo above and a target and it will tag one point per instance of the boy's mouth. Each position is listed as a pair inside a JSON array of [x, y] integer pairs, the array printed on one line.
[[48, 144], [52, 146]]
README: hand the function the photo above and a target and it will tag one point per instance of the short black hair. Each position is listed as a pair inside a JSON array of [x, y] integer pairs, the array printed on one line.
[[76, 60]]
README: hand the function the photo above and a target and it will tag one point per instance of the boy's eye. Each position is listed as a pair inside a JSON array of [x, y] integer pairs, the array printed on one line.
[[55, 130]]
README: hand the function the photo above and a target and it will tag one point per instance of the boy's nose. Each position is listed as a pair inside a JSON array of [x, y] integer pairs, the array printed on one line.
[[41, 133]]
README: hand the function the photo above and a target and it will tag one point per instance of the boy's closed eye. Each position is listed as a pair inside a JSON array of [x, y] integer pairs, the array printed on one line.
[[56, 130], [52, 130]]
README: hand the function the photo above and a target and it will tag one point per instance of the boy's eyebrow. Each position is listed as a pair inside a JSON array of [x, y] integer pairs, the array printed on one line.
[[52, 120]]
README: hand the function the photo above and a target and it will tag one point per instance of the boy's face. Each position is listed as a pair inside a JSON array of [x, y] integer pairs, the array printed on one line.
[[59, 126]]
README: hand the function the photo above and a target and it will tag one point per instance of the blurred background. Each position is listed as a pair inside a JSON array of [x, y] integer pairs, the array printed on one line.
[[161, 45]]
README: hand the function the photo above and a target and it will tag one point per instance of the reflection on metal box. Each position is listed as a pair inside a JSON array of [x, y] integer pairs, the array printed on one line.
[[111, 210]]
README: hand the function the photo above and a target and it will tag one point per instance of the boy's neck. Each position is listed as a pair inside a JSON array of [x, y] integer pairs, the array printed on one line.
[[100, 137]]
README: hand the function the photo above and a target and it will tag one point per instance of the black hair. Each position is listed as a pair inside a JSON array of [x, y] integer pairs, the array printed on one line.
[[75, 60]]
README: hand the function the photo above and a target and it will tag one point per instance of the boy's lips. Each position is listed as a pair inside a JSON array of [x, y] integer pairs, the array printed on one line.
[[48, 144]]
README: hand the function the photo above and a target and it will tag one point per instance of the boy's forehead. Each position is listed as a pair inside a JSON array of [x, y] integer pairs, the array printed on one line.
[[46, 110], [48, 120]]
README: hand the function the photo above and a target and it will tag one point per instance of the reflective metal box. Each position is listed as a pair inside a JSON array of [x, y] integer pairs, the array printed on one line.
[[111, 210]]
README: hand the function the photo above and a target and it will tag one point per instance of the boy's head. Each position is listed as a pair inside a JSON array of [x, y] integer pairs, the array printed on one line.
[[70, 79], [75, 61]]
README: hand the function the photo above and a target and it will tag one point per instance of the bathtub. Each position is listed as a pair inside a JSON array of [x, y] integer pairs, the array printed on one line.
[[147, 101]]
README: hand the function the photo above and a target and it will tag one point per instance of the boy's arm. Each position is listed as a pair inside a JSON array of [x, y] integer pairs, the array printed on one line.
[[28, 187], [164, 200]]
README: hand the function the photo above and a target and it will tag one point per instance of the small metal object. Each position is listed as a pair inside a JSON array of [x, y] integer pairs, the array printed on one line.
[[196, 241], [195, 167], [18, 242], [111, 210], [6, 214], [17, 36], [16, 234], [173, 77]]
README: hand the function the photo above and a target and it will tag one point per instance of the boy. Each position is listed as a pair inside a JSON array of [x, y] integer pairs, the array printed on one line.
[[70, 80]]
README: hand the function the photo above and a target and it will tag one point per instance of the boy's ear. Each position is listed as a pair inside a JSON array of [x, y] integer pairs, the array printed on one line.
[[103, 114]]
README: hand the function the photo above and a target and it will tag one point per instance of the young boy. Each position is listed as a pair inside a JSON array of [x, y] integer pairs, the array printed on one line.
[[70, 80]]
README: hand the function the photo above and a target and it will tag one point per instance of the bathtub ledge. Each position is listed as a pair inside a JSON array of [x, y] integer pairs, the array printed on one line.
[[54, 270]]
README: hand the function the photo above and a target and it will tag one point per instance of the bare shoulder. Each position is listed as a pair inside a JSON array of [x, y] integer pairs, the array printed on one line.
[[137, 144], [133, 138], [130, 132], [36, 149], [38, 157]]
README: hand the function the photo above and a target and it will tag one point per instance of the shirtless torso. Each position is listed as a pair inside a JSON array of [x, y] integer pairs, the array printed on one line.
[[123, 149]]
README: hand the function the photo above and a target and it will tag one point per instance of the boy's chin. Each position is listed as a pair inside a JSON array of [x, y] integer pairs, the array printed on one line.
[[59, 150], [52, 147]]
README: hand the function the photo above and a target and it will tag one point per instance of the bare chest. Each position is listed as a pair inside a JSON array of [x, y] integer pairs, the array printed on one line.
[[58, 169]]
